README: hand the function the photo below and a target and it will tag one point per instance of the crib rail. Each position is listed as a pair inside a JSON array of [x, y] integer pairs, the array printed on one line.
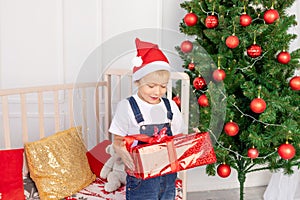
[[61, 96]]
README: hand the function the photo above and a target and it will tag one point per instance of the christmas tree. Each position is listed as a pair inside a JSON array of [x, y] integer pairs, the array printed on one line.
[[247, 86]]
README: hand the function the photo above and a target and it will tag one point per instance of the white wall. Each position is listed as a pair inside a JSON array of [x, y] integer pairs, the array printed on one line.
[[30, 42], [296, 29], [53, 41]]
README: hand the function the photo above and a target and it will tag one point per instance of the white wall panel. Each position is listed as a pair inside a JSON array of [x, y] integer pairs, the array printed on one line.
[[198, 180], [30, 47], [294, 10], [172, 14], [1, 22], [82, 33], [122, 16], [122, 22]]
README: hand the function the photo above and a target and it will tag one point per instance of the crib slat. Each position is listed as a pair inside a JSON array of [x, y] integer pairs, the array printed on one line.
[[131, 84], [24, 117], [84, 115], [41, 114], [97, 109], [185, 97], [6, 128], [119, 94], [108, 111], [71, 111], [169, 89], [56, 111]]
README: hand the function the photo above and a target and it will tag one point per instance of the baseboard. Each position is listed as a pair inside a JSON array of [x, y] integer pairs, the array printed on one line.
[[198, 180]]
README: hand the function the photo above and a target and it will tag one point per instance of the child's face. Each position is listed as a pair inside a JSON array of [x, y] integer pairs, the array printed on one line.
[[152, 87]]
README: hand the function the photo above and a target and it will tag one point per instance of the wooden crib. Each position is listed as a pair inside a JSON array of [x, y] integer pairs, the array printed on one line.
[[32, 113]]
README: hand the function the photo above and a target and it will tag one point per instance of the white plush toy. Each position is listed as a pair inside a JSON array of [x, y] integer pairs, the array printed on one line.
[[113, 170]]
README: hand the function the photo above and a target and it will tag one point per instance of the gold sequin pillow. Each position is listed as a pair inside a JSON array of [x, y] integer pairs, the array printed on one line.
[[58, 164]]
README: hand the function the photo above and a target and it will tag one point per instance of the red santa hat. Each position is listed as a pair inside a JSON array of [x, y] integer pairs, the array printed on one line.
[[149, 58]]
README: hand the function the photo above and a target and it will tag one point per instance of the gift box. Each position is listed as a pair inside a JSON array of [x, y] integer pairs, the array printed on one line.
[[169, 154], [98, 156]]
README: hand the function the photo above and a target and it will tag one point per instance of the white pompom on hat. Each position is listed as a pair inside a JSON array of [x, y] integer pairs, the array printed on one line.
[[149, 59]]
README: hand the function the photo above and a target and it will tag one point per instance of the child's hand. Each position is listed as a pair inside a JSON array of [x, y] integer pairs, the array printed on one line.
[[120, 149], [126, 157]]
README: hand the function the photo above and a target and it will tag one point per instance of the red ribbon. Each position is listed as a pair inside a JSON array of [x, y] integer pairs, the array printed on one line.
[[158, 137], [172, 156]]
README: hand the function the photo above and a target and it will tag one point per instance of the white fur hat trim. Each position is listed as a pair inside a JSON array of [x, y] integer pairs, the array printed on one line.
[[137, 61], [149, 68]]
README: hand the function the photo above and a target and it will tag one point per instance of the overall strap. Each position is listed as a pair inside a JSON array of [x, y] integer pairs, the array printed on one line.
[[168, 106], [136, 111]]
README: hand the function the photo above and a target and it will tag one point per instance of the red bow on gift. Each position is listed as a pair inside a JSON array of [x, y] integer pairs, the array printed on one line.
[[158, 137]]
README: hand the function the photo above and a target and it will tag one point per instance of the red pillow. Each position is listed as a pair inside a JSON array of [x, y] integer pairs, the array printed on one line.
[[97, 156], [11, 181]]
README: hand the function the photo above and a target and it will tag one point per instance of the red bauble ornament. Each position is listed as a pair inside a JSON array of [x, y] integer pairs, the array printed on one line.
[[231, 128], [190, 19], [284, 57], [219, 75], [176, 99], [223, 170], [254, 51], [286, 151], [245, 20], [295, 83], [258, 105], [203, 101], [199, 83], [252, 153], [271, 16], [232, 41], [186, 46], [211, 21], [191, 66]]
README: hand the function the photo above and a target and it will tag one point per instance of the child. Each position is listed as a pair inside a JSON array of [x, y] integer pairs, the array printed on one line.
[[142, 112]]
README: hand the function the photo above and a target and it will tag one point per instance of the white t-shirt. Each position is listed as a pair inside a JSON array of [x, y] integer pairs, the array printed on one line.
[[124, 122]]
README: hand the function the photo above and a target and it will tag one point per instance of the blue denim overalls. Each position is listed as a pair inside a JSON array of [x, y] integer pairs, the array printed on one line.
[[158, 188]]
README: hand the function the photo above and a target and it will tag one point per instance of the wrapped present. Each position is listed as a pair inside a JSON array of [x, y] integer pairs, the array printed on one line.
[[98, 156], [168, 154]]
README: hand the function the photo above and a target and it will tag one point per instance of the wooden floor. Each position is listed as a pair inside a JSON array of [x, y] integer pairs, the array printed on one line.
[[251, 193]]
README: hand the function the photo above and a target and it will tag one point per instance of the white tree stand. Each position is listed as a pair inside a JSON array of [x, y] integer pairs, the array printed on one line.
[[283, 187]]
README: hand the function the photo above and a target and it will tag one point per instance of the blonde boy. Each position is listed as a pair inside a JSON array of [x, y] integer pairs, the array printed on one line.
[[143, 111]]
